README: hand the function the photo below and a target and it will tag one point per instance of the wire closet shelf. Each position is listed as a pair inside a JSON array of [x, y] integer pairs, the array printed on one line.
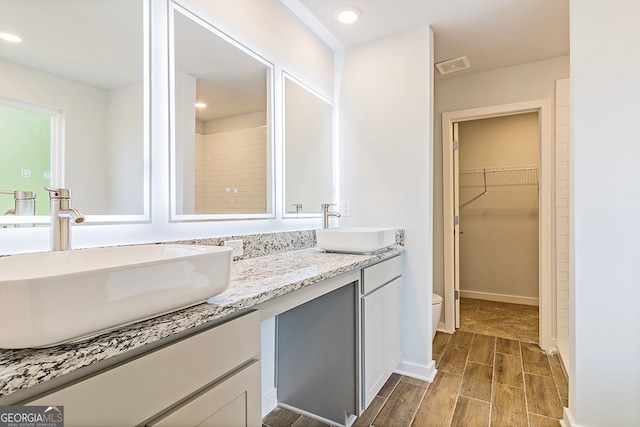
[[475, 183]]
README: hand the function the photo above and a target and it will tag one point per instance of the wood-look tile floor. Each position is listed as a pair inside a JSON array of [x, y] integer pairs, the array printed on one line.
[[482, 380]]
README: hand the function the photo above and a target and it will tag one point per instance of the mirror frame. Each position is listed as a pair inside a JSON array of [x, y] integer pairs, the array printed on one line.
[[334, 147], [58, 151], [174, 216]]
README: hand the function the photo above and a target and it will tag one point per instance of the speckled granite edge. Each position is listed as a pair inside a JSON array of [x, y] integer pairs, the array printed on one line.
[[253, 281], [257, 245]]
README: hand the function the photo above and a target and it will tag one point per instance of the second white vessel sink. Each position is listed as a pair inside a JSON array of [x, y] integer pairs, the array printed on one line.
[[56, 297], [357, 240]]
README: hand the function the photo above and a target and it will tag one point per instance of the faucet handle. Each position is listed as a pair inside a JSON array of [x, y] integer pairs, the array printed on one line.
[[59, 193]]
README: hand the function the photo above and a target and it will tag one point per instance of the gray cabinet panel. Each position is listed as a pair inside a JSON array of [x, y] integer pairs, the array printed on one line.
[[317, 355]]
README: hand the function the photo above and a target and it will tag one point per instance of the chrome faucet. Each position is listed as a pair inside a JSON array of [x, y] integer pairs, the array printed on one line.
[[326, 213], [25, 204], [61, 215]]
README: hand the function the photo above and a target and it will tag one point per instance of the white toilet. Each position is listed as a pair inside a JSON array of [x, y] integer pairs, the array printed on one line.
[[437, 310]]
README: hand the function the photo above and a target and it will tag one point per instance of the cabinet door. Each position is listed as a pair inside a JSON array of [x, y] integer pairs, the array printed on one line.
[[373, 331], [233, 403], [382, 340], [393, 326]]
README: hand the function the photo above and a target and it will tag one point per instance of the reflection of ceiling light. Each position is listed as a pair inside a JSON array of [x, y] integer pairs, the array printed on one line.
[[200, 105], [9, 37], [348, 14]]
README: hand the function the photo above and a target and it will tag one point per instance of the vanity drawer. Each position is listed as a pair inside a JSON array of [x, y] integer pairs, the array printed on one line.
[[378, 274], [136, 390], [232, 402]]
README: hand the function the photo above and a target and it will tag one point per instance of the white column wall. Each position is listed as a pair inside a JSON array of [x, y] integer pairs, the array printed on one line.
[[604, 376], [386, 165]]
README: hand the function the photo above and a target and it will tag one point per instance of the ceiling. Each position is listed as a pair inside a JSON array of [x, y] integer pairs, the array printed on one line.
[[77, 40], [491, 33]]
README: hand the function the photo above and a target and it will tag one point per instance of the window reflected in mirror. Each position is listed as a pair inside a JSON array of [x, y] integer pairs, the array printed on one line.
[[26, 163], [221, 116], [84, 64], [308, 149]]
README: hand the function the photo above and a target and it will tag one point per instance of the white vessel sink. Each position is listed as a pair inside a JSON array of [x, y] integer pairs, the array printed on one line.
[[358, 240], [56, 297]]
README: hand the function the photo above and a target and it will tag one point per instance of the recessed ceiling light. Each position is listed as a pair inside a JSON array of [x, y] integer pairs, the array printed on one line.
[[10, 37], [201, 105], [347, 14]]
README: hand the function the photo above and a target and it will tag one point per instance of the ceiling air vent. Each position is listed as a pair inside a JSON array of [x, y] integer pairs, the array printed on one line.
[[453, 65]]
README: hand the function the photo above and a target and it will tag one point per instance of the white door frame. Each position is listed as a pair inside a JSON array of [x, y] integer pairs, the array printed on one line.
[[546, 217]]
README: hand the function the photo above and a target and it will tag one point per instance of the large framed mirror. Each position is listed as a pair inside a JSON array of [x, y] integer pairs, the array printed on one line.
[[308, 150], [74, 107], [221, 124]]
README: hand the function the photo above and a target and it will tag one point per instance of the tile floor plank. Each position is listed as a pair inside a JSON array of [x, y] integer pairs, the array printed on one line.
[[561, 380], [542, 396], [534, 360], [439, 342], [401, 407], [370, 414], [470, 413], [389, 386], [476, 381], [508, 370], [454, 359], [280, 417], [508, 407], [415, 381], [440, 399], [507, 320], [430, 419], [507, 346], [308, 422], [461, 339], [482, 349], [540, 421]]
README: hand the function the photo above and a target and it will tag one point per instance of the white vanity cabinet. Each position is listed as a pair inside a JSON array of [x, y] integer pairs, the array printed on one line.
[[381, 302], [211, 378]]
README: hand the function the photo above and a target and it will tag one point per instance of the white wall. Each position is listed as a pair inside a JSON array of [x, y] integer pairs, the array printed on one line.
[[124, 153], [386, 164], [604, 376]]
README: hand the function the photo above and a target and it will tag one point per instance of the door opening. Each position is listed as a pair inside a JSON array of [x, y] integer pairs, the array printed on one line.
[[497, 205], [453, 198]]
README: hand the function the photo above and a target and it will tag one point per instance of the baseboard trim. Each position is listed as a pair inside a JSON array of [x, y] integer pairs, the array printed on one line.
[[513, 299], [421, 372], [567, 420], [269, 401]]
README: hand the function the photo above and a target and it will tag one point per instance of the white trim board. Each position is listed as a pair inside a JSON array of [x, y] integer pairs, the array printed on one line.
[[421, 372], [546, 208], [513, 299]]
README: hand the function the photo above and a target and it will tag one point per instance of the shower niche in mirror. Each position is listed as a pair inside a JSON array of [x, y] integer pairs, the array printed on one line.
[[308, 150], [221, 132], [74, 106]]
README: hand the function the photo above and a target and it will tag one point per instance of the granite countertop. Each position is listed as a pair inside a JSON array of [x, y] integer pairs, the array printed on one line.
[[253, 281]]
